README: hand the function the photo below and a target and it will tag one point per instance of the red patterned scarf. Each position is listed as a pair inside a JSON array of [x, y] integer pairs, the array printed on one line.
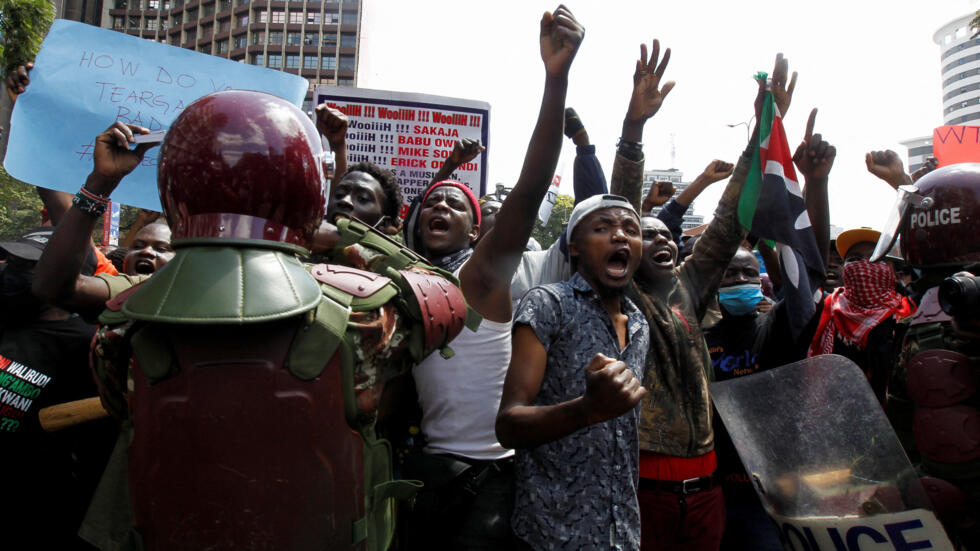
[[867, 298]]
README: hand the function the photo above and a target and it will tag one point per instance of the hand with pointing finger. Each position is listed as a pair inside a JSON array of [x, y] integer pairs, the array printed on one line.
[[814, 157]]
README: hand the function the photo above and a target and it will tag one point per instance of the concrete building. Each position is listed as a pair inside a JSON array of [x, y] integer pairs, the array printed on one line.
[[959, 60], [315, 39], [675, 177], [85, 11]]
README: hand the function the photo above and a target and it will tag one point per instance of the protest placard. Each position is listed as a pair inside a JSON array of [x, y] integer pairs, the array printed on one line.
[[956, 144], [411, 134], [86, 77]]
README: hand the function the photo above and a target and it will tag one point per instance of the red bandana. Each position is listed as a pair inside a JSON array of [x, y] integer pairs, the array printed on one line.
[[867, 298]]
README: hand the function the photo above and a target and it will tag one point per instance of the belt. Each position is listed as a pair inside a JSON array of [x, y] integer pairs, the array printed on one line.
[[683, 487]]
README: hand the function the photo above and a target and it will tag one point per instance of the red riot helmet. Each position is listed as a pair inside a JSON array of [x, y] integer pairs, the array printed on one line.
[[244, 165], [937, 218]]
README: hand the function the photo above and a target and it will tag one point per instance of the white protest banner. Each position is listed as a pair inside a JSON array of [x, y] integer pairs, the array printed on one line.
[[548, 204], [411, 134], [902, 531], [86, 77]]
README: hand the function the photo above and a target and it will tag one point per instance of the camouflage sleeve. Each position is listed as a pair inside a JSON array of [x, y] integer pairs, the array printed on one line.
[[627, 180], [120, 282], [109, 359], [702, 271]]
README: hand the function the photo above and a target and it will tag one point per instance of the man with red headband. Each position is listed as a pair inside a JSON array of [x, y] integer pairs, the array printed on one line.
[[468, 494]]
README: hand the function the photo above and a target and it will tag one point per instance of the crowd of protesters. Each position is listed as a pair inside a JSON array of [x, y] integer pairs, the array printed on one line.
[[577, 415]]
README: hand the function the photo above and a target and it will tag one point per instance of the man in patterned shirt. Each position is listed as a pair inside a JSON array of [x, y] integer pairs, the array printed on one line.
[[575, 432]]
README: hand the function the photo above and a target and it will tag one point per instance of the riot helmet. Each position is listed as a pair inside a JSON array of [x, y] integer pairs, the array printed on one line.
[[936, 218], [242, 164]]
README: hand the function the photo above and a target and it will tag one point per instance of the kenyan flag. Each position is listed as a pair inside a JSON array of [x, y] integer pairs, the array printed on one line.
[[772, 207]]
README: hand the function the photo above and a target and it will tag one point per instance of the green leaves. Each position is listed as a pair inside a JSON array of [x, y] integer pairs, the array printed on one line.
[[23, 24]]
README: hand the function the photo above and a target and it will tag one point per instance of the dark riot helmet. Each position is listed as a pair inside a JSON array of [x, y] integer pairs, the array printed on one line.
[[241, 164], [937, 219]]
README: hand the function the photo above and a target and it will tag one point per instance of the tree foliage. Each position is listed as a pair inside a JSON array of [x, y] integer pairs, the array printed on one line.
[[546, 234], [23, 24], [20, 207], [975, 24]]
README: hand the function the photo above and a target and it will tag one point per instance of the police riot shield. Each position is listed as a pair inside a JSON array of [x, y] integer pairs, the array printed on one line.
[[825, 461]]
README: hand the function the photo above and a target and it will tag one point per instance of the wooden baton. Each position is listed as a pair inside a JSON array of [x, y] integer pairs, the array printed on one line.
[[61, 416]]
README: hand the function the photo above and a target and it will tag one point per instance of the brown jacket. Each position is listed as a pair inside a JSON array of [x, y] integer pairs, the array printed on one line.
[[675, 418]]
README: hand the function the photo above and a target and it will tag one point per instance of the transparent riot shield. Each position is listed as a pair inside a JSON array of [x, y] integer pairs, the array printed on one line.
[[825, 461]]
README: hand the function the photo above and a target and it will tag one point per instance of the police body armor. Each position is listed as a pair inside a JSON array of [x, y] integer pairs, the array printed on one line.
[[933, 404], [253, 420], [249, 380], [933, 400]]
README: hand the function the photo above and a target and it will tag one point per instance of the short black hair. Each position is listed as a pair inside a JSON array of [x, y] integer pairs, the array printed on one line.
[[389, 184]]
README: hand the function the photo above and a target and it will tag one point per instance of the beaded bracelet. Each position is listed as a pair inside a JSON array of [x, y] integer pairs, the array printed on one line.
[[90, 203], [631, 150]]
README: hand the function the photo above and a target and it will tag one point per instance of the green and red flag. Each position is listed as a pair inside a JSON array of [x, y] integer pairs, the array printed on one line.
[[772, 207]]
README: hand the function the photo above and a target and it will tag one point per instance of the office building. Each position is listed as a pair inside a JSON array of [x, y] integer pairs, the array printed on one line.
[[317, 40], [675, 177]]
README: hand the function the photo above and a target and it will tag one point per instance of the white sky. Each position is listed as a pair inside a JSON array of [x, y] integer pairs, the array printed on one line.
[[869, 66]]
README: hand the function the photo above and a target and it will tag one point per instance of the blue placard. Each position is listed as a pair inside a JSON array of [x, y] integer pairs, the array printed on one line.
[[86, 77]]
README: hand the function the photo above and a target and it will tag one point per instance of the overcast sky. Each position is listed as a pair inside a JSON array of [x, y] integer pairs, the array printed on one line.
[[869, 66]]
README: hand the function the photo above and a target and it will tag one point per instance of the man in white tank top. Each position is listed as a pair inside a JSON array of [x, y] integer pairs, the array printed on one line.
[[468, 497]]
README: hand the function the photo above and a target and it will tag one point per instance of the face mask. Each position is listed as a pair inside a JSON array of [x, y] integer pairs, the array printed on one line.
[[740, 300]]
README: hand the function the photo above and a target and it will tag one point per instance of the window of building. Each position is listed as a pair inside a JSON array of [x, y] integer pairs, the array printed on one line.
[[190, 16], [328, 63], [190, 35], [240, 59], [134, 21], [258, 37], [345, 82], [350, 18], [151, 24], [348, 40], [204, 48], [275, 61], [292, 62], [222, 46], [330, 40], [166, 4], [224, 5], [331, 18], [346, 63], [313, 17], [205, 31], [257, 59], [294, 38], [207, 9], [121, 4], [296, 17], [239, 41], [243, 2], [243, 20], [164, 24], [311, 38], [309, 62], [278, 16], [275, 37], [175, 40], [118, 22], [263, 16], [224, 25], [152, 4]]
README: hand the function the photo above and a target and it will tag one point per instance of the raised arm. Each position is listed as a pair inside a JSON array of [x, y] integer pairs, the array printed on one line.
[[57, 277], [814, 157], [332, 125], [464, 151], [486, 277], [647, 98], [887, 166]]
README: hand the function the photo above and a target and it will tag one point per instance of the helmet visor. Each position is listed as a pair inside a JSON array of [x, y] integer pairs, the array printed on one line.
[[892, 227]]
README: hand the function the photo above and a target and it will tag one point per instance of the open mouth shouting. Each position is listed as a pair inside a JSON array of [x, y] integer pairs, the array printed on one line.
[[144, 266], [438, 225], [618, 264], [662, 257]]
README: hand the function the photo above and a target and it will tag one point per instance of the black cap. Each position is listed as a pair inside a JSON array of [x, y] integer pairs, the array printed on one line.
[[30, 245]]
